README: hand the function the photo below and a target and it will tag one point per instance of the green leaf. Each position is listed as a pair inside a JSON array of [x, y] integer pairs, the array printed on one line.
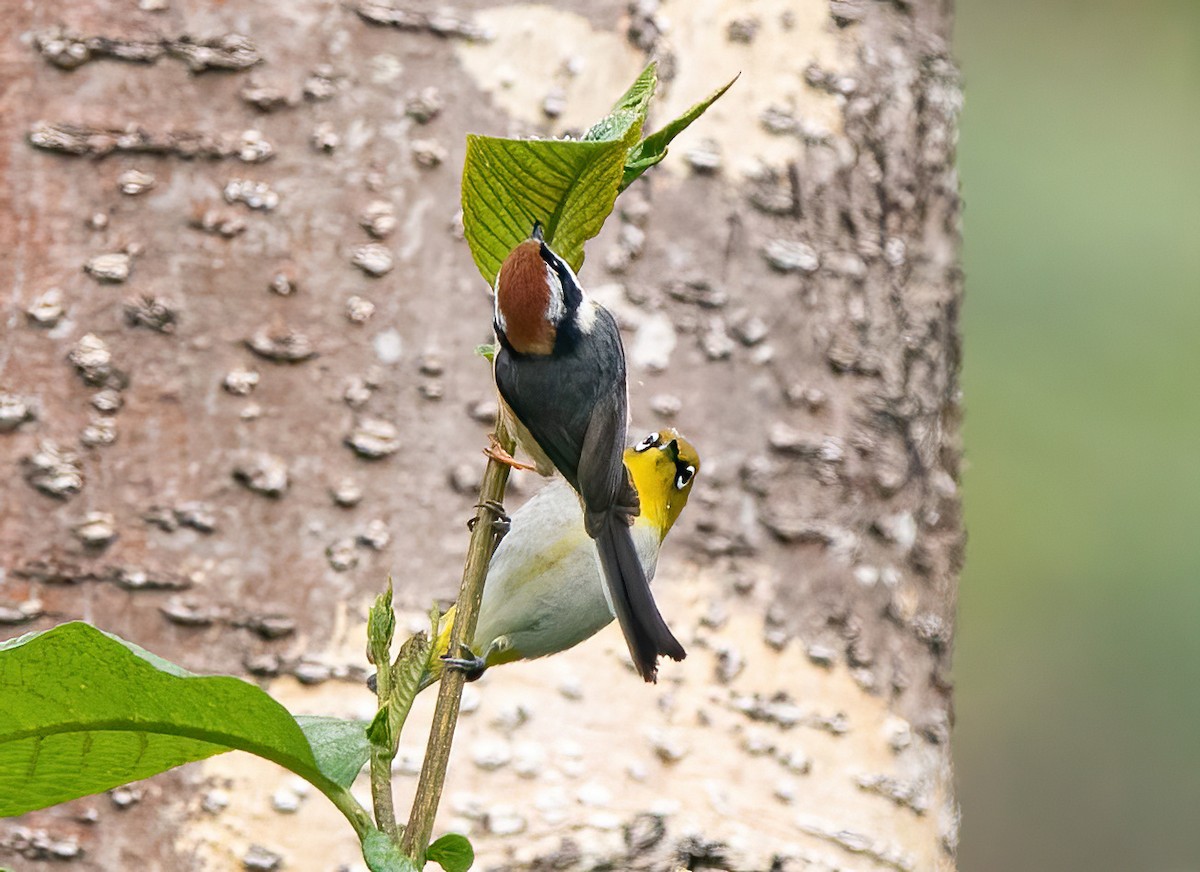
[[508, 184], [624, 122], [653, 148], [488, 352], [340, 747], [452, 852], [83, 711], [381, 627], [382, 855], [411, 663], [379, 732], [567, 186]]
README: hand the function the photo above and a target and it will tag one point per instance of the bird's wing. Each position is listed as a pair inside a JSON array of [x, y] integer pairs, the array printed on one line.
[[603, 480]]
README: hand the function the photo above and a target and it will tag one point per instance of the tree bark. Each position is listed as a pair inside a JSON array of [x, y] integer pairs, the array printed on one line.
[[221, 430]]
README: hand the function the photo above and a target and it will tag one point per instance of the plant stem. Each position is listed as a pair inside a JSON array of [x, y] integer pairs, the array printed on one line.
[[466, 614], [349, 806], [381, 791], [382, 754]]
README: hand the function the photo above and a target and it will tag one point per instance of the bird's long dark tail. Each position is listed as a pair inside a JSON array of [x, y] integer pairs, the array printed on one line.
[[646, 633]]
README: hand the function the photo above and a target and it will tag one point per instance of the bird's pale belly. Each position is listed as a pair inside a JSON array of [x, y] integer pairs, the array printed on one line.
[[545, 591]]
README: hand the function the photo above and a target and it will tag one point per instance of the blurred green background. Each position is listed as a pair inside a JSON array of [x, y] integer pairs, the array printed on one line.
[[1078, 653]]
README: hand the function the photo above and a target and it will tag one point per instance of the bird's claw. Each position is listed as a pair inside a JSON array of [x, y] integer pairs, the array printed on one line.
[[501, 524], [497, 453], [469, 664]]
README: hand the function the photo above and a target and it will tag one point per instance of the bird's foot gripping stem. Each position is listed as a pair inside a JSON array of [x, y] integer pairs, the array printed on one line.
[[497, 453], [468, 663], [502, 522]]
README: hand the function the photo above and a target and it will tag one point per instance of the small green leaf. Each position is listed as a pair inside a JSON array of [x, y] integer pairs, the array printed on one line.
[[508, 184], [379, 732], [487, 352], [83, 712], [405, 681], [341, 747], [624, 122], [382, 855], [452, 852], [411, 663], [653, 148], [381, 627], [638, 97]]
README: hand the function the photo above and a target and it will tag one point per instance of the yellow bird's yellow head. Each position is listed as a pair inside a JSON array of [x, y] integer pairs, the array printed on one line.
[[663, 467]]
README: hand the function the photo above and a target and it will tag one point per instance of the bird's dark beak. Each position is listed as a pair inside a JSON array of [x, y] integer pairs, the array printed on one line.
[[673, 450], [536, 233]]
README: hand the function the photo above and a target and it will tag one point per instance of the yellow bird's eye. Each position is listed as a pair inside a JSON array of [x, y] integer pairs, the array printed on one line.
[[684, 476], [647, 443]]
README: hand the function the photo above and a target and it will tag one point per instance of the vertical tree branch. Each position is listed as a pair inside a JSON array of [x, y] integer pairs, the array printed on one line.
[[445, 715]]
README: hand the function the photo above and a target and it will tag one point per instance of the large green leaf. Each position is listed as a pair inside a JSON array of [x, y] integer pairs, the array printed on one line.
[[653, 148], [568, 186], [340, 747], [508, 184], [82, 711]]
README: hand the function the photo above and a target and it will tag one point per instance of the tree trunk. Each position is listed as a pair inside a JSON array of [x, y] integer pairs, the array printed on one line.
[[240, 391]]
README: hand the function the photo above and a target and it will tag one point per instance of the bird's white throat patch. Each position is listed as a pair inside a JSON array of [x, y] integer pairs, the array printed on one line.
[[557, 307], [586, 315]]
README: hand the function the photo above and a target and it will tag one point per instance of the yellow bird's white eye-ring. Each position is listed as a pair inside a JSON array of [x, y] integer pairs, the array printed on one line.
[[647, 443], [684, 476]]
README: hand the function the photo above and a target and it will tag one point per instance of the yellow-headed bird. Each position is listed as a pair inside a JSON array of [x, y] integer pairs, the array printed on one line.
[[545, 591]]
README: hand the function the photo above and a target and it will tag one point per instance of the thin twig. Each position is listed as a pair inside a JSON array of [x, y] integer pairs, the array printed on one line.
[[466, 613]]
